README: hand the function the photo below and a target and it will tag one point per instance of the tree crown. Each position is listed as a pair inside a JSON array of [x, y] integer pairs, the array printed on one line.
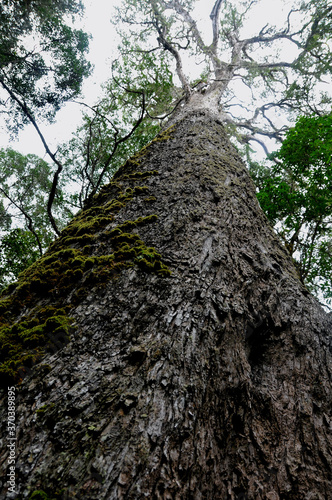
[[281, 67], [42, 58]]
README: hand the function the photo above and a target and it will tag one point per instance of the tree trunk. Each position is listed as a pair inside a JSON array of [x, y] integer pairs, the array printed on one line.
[[212, 382]]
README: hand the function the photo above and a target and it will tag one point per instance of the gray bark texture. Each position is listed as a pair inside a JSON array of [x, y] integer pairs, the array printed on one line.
[[212, 382]]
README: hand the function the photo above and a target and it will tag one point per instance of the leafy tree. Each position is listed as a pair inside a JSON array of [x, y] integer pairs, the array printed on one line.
[[18, 250], [42, 58], [295, 194], [285, 68], [25, 183], [125, 119], [211, 382], [42, 65], [155, 36]]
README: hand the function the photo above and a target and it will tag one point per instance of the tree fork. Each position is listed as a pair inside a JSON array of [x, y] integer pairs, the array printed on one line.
[[214, 382]]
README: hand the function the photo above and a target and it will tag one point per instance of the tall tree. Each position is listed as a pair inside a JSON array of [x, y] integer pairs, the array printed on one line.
[[165, 345], [213, 381]]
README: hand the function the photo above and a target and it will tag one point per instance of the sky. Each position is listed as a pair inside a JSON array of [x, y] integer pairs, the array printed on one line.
[[98, 14]]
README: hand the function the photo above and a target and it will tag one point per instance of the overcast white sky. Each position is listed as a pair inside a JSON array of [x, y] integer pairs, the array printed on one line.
[[97, 22]]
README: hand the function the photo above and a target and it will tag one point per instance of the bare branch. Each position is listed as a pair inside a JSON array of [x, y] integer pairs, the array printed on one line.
[[245, 139], [162, 40], [214, 16], [209, 51], [177, 104], [179, 9], [262, 39], [95, 109], [87, 161]]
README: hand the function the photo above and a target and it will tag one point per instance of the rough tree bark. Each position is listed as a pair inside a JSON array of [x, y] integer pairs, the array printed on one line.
[[213, 382]]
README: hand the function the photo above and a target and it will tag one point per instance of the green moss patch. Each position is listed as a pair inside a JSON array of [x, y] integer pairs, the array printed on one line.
[[35, 311], [24, 342], [41, 495]]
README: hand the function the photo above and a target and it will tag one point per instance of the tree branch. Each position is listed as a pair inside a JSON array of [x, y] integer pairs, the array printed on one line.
[[210, 51], [177, 7], [162, 32], [245, 139], [32, 120], [306, 268], [28, 218], [214, 16]]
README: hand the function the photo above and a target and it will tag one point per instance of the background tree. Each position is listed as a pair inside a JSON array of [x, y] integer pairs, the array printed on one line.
[[42, 58], [42, 65], [18, 250], [25, 184], [127, 117], [295, 193]]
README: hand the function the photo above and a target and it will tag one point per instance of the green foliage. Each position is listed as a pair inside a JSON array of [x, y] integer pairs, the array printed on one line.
[[18, 250], [24, 188], [42, 58], [296, 195], [120, 124], [25, 182]]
